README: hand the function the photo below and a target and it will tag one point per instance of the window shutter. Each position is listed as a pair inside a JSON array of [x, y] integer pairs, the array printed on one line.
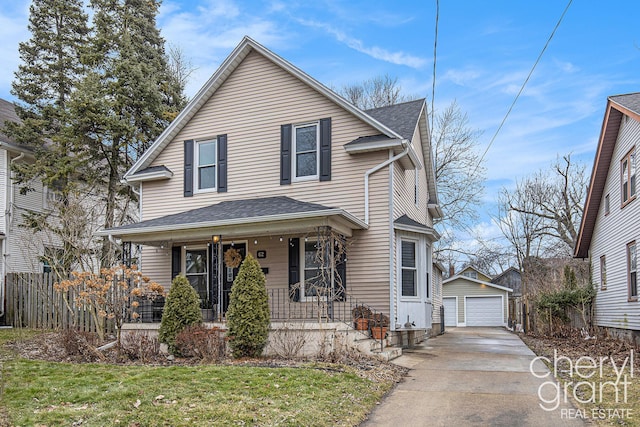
[[325, 149], [222, 163], [176, 261], [285, 154], [341, 282], [188, 168], [294, 269]]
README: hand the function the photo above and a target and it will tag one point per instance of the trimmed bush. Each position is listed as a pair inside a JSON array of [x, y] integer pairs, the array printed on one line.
[[181, 309], [248, 315]]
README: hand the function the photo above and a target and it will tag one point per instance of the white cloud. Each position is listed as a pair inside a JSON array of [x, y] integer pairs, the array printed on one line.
[[398, 58]]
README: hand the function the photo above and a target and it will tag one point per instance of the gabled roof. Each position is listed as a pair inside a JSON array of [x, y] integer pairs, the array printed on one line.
[[504, 273], [246, 46], [234, 212], [479, 282], [471, 267], [406, 223], [617, 107], [8, 114], [402, 118]]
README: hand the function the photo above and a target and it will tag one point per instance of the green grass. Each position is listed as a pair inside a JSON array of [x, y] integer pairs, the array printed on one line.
[[48, 393]]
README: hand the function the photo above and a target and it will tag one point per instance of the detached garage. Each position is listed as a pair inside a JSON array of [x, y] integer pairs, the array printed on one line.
[[472, 302]]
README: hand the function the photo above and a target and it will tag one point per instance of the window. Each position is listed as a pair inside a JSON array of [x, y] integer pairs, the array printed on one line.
[[603, 273], [607, 206], [52, 260], [305, 146], [409, 269], [632, 276], [470, 274], [628, 168], [206, 162], [196, 271]]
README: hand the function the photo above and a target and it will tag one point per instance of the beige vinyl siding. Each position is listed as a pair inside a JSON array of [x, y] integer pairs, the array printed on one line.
[[249, 108], [436, 292], [611, 234], [461, 288], [4, 194]]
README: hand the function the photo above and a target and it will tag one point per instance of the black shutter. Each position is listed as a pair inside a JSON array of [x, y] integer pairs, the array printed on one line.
[[325, 149], [341, 282], [222, 163], [176, 261], [213, 273], [188, 168], [294, 269], [285, 154]]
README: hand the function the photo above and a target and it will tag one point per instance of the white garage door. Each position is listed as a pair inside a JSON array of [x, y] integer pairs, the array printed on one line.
[[450, 312], [484, 311]]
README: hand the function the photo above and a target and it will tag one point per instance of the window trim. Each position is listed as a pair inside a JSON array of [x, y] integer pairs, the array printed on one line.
[[196, 166], [630, 271], [416, 269], [603, 273], [626, 195], [294, 153]]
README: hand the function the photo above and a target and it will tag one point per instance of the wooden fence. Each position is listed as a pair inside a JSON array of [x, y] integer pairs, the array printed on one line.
[[32, 301]]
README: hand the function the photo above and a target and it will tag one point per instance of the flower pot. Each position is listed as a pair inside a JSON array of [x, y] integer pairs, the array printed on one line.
[[378, 332], [361, 324]]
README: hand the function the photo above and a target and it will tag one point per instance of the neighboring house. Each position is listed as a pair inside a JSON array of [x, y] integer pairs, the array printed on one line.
[[20, 250], [473, 302], [512, 279], [268, 161], [610, 229]]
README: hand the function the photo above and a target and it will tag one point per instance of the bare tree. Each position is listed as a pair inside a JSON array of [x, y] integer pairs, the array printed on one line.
[[556, 199], [376, 92]]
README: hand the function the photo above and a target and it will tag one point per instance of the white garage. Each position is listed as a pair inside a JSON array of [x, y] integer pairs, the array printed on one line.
[[473, 302], [485, 311], [450, 311]]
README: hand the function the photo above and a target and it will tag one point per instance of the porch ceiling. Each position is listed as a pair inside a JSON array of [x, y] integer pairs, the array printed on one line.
[[239, 218]]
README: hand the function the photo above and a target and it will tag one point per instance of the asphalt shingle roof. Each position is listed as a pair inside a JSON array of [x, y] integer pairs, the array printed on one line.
[[405, 220], [152, 169], [229, 210], [401, 118], [7, 113], [630, 101]]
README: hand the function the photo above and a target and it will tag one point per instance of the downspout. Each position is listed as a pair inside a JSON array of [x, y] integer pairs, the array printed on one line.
[[367, 174], [374, 169]]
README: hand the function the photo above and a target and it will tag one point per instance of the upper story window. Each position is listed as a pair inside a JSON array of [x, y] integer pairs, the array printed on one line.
[[409, 269], [305, 147], [205, 165], [628, 168], [470, 274], [632, 271], [603, 272]]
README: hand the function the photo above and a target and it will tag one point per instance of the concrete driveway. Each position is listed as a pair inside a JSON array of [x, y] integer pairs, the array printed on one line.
[[472, 376]]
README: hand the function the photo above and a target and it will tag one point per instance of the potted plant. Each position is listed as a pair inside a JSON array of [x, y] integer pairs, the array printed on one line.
[[361, 315], [379, 324]]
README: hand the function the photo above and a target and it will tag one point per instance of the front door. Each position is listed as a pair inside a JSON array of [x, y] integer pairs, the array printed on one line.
[[230, 254]]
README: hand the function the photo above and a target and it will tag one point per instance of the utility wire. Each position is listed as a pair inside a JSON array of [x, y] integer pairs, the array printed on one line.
[[504, 119], [475, 170], [433, 83]]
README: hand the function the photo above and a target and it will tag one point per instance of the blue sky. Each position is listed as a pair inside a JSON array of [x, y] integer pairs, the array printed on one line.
[[485, 51]]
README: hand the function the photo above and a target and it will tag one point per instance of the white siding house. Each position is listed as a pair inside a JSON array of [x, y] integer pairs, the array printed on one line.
[[610, 230]]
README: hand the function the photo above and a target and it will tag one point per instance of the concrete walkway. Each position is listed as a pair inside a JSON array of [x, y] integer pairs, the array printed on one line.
[[472, 376]]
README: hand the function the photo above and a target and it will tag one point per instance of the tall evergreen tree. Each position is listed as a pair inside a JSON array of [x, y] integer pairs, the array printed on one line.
[[44, 82], [127, 97]]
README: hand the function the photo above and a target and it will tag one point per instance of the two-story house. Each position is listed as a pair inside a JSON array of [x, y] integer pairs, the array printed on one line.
[[266, 160], [20, 249], [610, 229]]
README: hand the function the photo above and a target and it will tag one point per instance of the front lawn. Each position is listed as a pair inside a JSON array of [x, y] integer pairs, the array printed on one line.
[[50, 393]]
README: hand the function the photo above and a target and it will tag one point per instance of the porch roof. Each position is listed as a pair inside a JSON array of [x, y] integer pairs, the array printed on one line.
[[246, 217]]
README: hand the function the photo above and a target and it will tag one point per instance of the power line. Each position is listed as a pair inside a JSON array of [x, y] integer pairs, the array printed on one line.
[[433, 83], [504, 119]]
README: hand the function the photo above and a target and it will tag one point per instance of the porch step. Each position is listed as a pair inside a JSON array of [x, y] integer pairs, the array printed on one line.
[[389, 353]]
